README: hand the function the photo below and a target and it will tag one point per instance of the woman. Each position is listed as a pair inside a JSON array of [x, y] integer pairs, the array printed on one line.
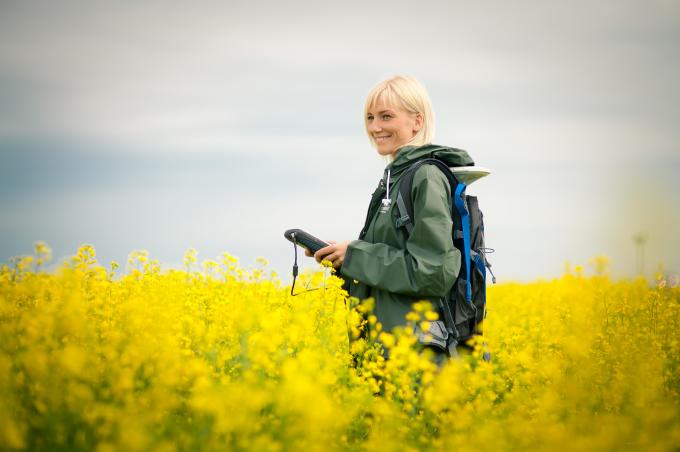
[[387, 263]]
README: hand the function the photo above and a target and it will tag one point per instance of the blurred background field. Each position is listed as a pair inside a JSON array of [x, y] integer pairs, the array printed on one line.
[[215, 356]]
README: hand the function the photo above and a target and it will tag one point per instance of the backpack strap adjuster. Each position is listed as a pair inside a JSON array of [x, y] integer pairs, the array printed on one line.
[[401, 221], [404, 218]]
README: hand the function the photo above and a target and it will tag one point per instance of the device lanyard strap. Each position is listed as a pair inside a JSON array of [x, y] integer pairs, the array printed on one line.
[[295, 271]]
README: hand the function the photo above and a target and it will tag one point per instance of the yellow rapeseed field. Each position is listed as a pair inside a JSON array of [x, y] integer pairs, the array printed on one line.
[[217, 357]]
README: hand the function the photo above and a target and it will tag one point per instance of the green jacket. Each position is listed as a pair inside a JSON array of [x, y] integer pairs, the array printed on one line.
[[389, 265]]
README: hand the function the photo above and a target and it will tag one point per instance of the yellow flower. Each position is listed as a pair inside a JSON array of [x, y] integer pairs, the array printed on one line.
[[431, 316]]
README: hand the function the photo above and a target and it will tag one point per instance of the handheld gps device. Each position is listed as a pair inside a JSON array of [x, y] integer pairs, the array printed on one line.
[[305, 240]]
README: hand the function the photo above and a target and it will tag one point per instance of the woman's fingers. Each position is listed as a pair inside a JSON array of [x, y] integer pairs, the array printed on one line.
[[321, 253], [324, 251], [336, 258], [330, 257], [335, 253]]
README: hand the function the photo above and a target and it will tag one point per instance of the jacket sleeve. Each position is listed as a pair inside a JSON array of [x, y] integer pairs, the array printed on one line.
[[429, 264]]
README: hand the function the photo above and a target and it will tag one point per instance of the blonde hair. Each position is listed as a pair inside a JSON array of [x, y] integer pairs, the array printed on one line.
[[406, 92]]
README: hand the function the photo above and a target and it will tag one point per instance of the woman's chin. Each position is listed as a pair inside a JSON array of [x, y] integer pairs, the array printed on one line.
[[382, 150]]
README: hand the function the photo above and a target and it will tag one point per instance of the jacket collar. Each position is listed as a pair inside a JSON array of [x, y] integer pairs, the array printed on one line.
[[410, 154]]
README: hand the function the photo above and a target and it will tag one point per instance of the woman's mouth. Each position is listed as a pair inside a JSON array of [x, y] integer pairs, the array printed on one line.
[[381, 139]]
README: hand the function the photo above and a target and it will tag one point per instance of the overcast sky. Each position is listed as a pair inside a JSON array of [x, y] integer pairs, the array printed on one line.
[[218, 125]]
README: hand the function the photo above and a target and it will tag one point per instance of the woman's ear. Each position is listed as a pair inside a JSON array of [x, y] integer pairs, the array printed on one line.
[[419, 122]]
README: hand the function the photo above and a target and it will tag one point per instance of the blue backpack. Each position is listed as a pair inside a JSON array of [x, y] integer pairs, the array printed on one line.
[[464, 308]]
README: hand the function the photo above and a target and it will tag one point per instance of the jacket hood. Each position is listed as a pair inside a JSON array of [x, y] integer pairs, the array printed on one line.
[[409, 154]]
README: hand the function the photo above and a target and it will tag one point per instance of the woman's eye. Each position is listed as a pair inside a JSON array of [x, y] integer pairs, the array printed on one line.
[[386, 117]]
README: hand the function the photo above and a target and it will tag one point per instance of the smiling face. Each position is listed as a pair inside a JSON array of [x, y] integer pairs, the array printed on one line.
[[391, 126]]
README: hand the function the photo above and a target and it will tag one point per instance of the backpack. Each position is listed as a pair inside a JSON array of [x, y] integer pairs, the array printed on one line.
[[464, 307]]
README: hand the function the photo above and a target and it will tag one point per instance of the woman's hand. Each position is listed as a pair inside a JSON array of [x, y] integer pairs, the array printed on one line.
[[335, 253]]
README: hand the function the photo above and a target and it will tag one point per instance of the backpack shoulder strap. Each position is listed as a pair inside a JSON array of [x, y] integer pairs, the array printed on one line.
[[404, 198]]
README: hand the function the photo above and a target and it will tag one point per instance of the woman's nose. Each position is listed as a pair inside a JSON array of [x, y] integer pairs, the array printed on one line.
[[374, 127]]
